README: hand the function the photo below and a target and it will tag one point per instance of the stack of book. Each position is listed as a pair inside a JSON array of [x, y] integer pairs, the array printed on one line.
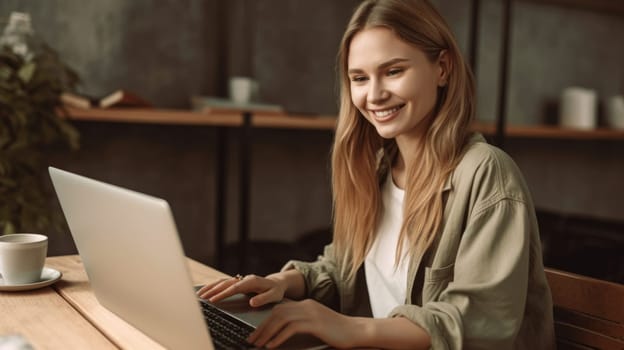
[[211, 104], [118, 98]]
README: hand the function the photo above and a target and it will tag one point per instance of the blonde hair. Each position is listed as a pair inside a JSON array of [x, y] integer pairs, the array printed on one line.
[[357, 168]]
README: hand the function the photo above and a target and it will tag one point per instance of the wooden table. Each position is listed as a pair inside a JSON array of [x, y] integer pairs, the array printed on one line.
[[67, 315]]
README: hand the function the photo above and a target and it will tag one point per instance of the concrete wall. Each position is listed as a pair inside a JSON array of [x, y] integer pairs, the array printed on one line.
[[162, 49], [170, 50]]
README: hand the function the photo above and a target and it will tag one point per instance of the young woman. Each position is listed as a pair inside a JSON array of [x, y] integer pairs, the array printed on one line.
[[435, 242]]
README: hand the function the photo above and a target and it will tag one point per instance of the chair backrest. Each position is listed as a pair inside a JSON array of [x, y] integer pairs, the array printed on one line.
[[589, 313]]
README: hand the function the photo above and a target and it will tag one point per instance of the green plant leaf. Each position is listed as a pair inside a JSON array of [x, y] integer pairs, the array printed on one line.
[[27, 71], [5, 73]]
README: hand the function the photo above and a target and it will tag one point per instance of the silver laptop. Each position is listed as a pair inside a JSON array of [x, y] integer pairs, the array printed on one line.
[[135, 262]]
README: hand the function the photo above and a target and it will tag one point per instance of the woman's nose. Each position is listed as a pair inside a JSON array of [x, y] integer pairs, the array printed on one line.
[[377, 92]]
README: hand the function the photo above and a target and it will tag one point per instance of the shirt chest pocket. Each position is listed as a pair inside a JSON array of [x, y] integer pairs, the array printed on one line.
[[436, 280]]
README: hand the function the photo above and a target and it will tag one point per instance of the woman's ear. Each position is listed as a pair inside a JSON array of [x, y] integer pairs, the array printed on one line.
[[444, 63]]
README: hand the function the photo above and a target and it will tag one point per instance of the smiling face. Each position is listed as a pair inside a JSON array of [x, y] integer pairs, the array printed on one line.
[[393, 84]]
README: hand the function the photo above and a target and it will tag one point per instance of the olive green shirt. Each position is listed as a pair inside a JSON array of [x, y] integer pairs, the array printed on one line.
[[481, 284]]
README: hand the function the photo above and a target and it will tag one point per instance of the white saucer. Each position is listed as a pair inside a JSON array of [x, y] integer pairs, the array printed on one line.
[[48, 276]]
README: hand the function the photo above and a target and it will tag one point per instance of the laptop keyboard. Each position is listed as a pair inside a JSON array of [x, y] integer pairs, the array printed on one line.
[[227, 332]]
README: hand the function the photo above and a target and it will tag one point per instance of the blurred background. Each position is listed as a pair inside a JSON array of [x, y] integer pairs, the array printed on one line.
[[168, 51]]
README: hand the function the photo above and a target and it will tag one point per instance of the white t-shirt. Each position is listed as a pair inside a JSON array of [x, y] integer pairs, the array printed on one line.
[[387, 285]]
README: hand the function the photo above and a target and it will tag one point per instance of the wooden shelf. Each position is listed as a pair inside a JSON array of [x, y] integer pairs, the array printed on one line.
[[551, 132], [614, 7], [293, 122], [156, 116], [231, 118]]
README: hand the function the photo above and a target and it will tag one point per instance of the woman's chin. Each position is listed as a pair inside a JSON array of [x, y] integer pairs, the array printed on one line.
[[385, 132]]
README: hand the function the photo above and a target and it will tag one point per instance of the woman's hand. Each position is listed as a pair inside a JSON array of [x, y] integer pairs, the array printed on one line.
[[309, 317], [268, 290]]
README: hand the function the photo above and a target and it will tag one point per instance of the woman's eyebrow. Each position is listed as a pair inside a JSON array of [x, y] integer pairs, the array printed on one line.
[[381, 66]]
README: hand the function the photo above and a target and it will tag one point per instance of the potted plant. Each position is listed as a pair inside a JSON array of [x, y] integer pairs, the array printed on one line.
[[31, 123]]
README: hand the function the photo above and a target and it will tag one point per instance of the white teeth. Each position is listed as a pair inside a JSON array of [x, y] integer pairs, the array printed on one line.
[[385, 113]]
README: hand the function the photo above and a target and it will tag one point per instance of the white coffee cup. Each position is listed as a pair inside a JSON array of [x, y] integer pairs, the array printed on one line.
[[615, 112], [243, 89], [22, 257], [578, 108]]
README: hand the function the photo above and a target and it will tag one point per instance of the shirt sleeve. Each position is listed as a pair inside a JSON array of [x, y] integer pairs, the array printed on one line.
[[320, 277], [483, 306]]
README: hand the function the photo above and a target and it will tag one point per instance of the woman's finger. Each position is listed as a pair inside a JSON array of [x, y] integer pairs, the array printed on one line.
[[240, 286], [270, 296], [249, 284], [209, 286], [271, 326], [288, 331], [209, 291]]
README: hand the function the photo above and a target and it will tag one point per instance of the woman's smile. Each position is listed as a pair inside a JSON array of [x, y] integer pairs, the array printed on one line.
[[387, 114]]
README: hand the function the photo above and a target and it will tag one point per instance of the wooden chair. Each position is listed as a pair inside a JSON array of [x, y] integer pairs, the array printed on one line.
[[589, 313]]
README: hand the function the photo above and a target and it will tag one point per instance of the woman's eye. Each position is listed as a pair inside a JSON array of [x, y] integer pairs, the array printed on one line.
[[395, 71], [358, 78]]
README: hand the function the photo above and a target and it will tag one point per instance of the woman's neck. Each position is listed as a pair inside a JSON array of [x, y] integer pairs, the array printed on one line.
[[407, 155], [398, 172]]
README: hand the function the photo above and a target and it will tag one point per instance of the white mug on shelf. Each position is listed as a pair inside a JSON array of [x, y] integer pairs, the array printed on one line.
[[243, 89], [615, 112], [578, 108]]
